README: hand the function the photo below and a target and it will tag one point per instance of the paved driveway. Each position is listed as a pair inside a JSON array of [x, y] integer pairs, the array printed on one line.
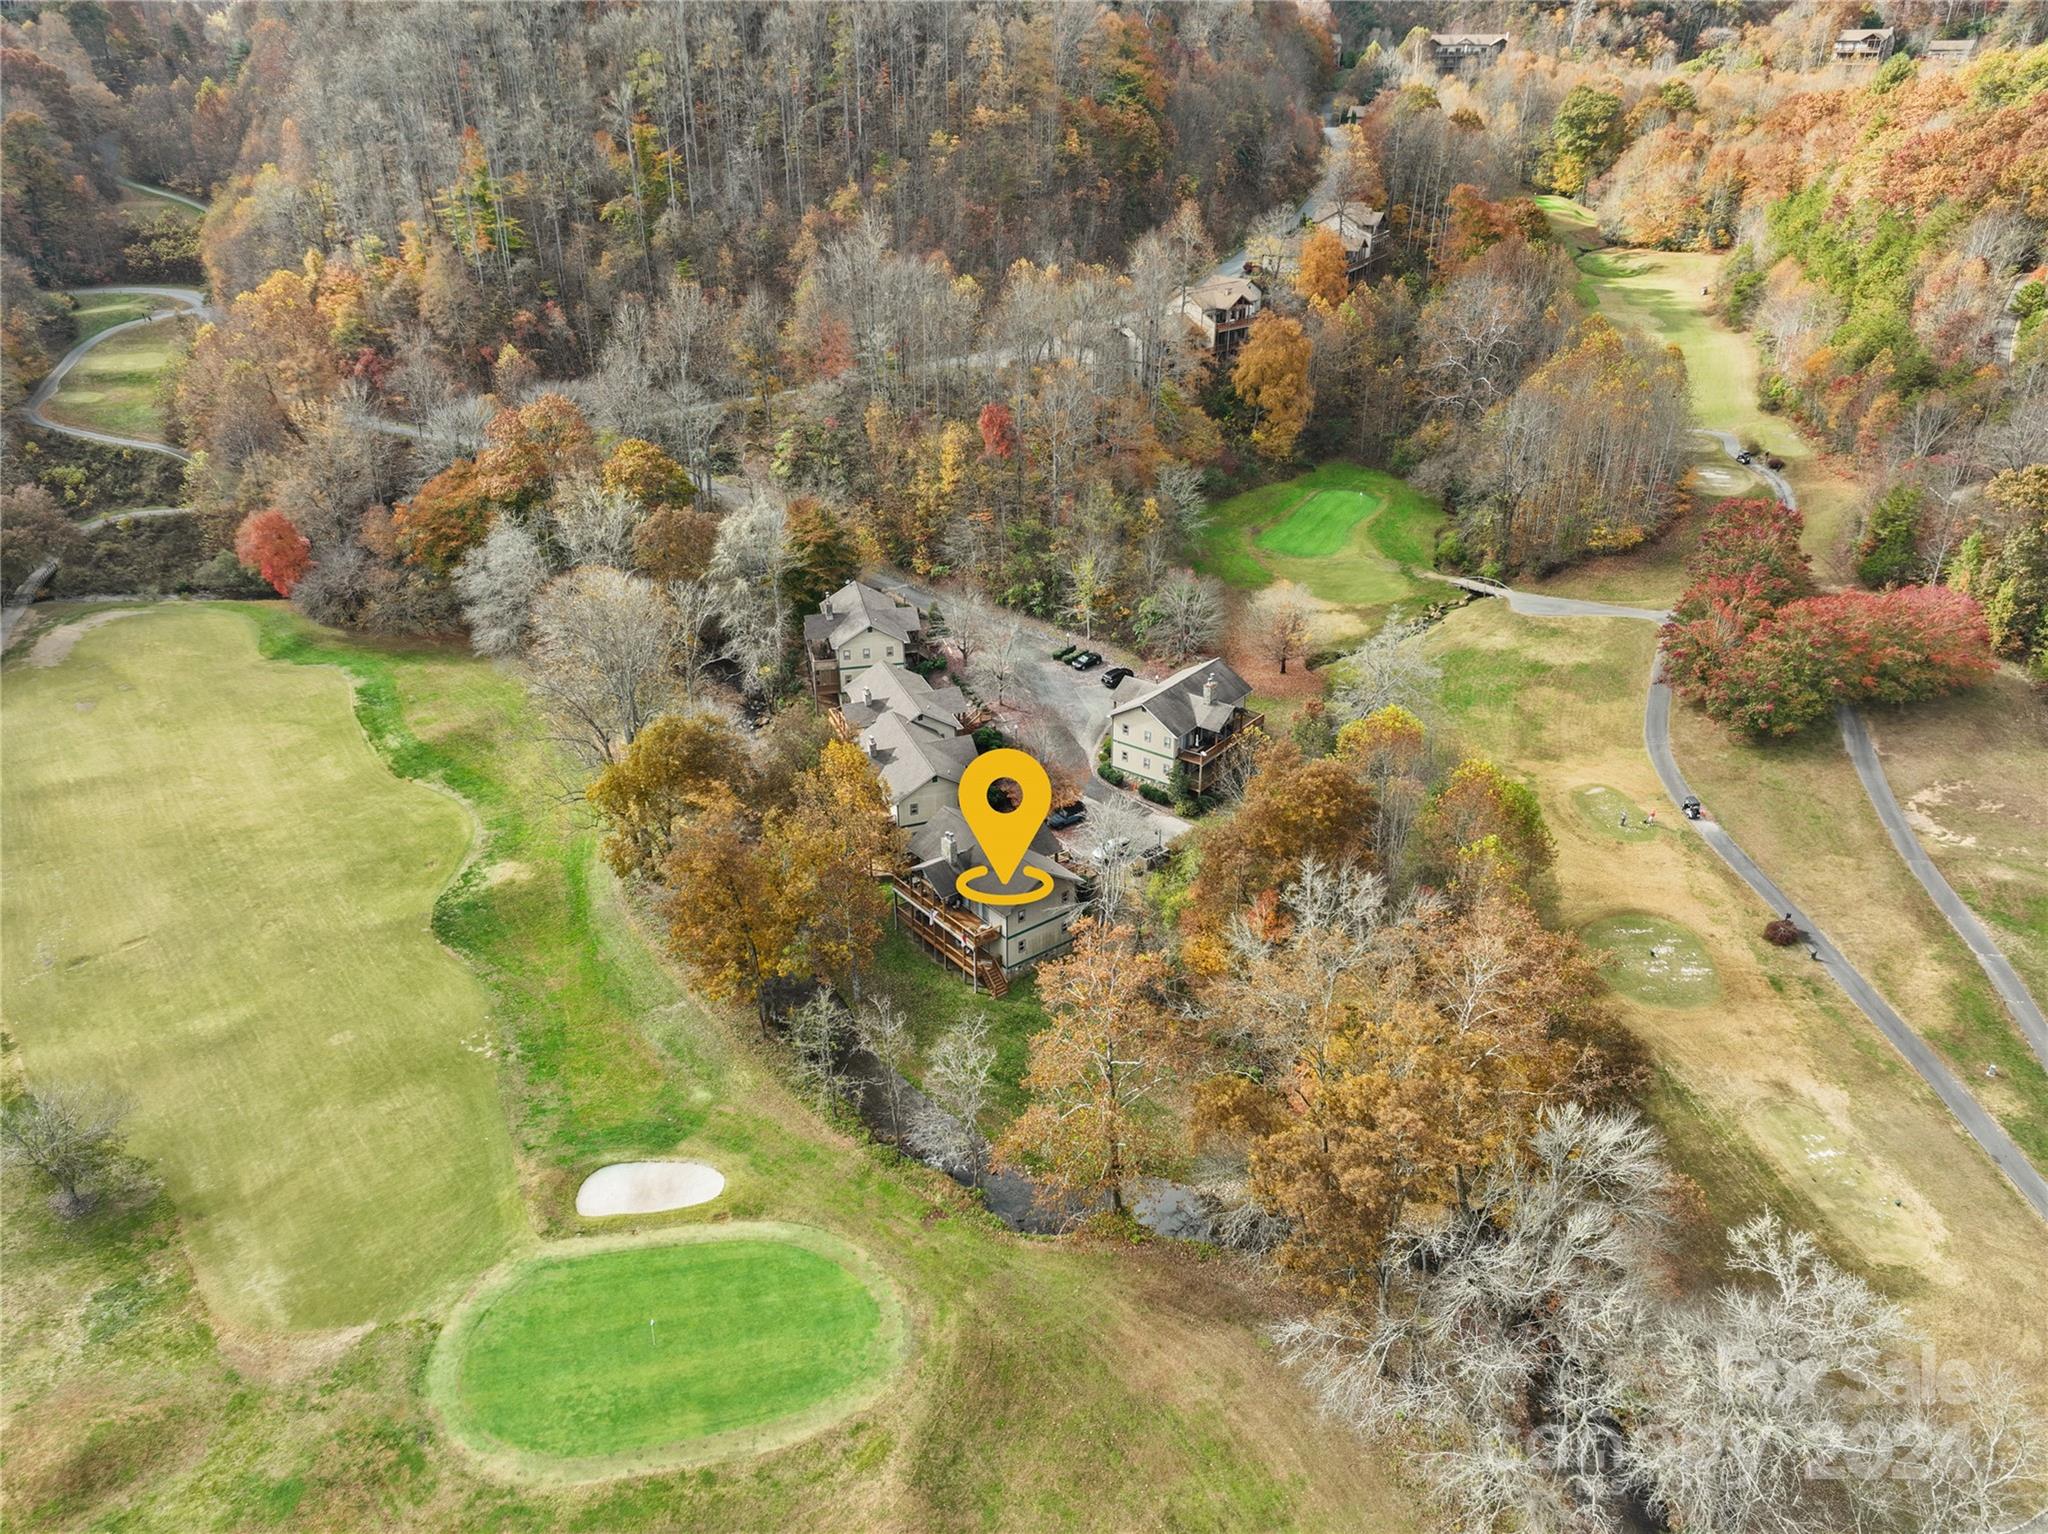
[[1074, 702]]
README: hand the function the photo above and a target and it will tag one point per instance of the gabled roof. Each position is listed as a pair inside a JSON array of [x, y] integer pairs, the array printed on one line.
[[1222, 292], [1467, 39], [890, 688], [856, 607], [1178, 703], [928, 859], [1864, 35], [1952, 48], [907, 759]]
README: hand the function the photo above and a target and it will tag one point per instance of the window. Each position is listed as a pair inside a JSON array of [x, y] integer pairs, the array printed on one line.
[[1127, 729], [1122, 754], [866, 653], [1148, 737], [913, 807], [1018, 947]]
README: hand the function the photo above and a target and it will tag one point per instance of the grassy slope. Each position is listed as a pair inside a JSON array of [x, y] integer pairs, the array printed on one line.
[[113, 387], [935, 997], [1351, 550], [1780, 1094], [137, 205], [167, 799], [1053, 1386]]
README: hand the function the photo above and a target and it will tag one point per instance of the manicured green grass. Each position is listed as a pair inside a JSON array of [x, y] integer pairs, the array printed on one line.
[[113, 387], [1655, 961], [1660, 292], [1348, 535], [592, 1354], [1319, 525], [218, 900]]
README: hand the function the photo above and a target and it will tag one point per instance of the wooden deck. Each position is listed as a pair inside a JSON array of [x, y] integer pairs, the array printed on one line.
[[956, 937]]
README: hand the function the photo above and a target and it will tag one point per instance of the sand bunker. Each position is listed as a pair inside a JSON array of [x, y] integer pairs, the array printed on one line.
[[647, 1187]]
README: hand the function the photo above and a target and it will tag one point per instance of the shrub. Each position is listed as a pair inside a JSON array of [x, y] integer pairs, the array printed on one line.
[[1780, 933], [1889, 548], [1064, 651], [1155, 793], [1113, 776], [989, 738], [1450, 550]]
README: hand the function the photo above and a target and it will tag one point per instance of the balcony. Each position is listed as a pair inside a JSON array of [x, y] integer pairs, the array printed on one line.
[[957, 938], [1200, 760]]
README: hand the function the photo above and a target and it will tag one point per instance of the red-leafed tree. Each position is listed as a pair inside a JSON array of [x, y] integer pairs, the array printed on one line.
[[1754, 541], [267, 543], [998, 431]]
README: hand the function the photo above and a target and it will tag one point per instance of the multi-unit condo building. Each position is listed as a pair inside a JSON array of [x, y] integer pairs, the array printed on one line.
[[1192, 721], [1222, 310], [855, 628], [918, 738], [1864, 45], [1466, 50]]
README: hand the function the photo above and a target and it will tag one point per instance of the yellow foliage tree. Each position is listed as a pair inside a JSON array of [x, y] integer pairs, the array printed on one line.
[[1324, 276], [1272, 377]]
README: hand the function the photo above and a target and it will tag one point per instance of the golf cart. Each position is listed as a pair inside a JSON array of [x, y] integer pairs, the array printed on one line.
[[1692, 808]]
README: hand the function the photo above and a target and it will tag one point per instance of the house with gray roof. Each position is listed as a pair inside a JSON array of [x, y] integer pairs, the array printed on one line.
[[882, 689], [1948, 53], [856, 627], [920, 772], [1192, 721], [987, 943], [1222, 310], [1357, 227]]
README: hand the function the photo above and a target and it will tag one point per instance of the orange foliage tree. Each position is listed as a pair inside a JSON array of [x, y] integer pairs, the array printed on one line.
[[269, 544]]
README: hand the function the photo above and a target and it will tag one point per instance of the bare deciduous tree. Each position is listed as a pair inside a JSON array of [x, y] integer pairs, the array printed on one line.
[[497, 582], [1280, 625], [72, 1135], [603, 651], [956, 1078], [1388, 668], [1183, 618]]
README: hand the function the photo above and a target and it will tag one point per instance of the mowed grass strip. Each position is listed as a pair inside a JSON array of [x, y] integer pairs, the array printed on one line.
[[113, 387], [94, 312], [593, 1354], [218, 900]]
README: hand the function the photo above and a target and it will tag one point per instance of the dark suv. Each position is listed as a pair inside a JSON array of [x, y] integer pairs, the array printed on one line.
[[1114, 675]]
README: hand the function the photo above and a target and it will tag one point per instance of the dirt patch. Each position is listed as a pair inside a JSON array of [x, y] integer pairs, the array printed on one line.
[[51, 649], [647, 1187], [1924, 824], [508, 873]]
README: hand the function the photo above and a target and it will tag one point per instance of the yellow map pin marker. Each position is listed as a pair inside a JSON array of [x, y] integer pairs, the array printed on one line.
[[1004, 835]]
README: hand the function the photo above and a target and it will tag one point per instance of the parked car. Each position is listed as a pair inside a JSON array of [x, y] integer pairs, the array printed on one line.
[[1067, 815], [1742, 458], [1115, 675], [1087, 660]]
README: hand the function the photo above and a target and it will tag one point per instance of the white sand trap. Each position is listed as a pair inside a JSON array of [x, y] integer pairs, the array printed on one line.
[[647, 1187]]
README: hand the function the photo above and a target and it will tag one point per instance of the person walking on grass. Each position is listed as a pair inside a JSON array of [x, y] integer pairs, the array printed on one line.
[[1624, 820]]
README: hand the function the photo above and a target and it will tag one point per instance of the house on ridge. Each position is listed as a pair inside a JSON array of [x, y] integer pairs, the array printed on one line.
[[920, 772], [1948, 53], [1465, 50], [1864, 45], [1192, 721]]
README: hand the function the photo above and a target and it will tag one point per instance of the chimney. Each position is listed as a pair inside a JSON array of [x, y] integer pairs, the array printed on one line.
[[1209, 689], [946, 846], [867, 746], [867, 693]]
